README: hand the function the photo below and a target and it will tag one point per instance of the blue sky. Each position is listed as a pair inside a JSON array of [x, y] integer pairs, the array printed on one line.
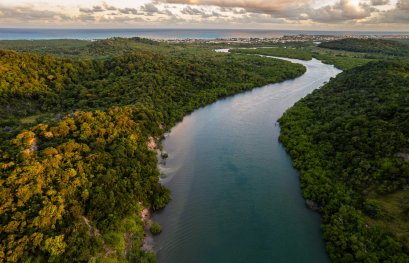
[[259, 14]]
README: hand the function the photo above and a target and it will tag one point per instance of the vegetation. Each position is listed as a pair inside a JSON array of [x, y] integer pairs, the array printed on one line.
[[67, 47], [376, 46], [276, 51], [76, 170], [155, 228], [164, 155], [350, 141], [76, 116], [71, 48], [68, 184], [172, 81], [343, 62]]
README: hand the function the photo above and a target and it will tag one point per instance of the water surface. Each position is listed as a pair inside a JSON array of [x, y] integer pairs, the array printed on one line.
[[235, 195], [162, 33]]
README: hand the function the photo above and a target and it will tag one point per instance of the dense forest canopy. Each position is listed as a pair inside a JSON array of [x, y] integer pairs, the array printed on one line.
[[160, 77], [76, 169], [73, 48], [87, 168], [343, 62], [76, 116], [350, 141], [377, 46]]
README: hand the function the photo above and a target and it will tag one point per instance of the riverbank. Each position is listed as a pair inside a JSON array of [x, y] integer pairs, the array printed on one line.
[[147, 243], [230, 177], [102, 103], [358, 177]]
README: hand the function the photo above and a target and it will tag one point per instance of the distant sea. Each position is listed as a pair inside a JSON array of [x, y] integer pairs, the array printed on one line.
[[91, 34]]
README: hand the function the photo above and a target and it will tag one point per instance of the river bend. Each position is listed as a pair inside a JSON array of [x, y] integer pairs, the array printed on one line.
[[235, 195]]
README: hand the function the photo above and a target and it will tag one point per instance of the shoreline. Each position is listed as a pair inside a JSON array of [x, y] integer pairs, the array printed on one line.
[[182, 182], [147, 241], [159, 242]]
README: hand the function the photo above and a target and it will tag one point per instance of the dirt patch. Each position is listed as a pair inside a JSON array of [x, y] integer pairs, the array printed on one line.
[[404, 156], [147, 244], [128, 243], [93, 231], [152, 145]]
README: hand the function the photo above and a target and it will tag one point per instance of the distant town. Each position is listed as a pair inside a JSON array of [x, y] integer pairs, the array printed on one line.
[[285, 39]]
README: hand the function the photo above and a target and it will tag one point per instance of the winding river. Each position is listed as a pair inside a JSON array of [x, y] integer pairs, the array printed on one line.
[[235, 195]]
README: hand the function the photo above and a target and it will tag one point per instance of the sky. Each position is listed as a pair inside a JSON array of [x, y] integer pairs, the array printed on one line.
[[359, 15]]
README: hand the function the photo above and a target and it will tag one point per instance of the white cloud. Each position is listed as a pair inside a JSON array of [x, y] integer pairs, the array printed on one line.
[[379, 2], [399, 14], [403, 5], [256, 6], [344, 10], [220, 13]]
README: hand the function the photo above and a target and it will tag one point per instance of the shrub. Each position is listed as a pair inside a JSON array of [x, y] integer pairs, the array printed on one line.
[[155, 228]]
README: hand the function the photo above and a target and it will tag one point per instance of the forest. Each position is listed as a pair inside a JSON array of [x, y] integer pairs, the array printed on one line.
[[76, 118], [372, 46], [350, 142]]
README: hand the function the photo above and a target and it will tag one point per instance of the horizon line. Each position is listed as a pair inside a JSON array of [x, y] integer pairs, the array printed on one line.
[[201, 28]]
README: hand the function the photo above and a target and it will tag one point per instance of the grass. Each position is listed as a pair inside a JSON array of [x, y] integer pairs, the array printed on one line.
[[340, 59], [395, 219], [277, 52], [31, 119], [342, 62]]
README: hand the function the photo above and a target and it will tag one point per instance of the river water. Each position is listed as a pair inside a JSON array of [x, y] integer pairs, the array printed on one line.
[[235, 195]]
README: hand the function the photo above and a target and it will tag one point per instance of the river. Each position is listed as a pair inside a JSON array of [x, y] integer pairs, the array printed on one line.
[[235, 195]]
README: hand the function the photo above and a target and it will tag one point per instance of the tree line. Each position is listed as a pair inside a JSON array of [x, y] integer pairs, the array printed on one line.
[[75, 166], [347, 140]]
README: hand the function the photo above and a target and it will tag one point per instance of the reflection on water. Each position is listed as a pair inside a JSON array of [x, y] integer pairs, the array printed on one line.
[[235, 194]]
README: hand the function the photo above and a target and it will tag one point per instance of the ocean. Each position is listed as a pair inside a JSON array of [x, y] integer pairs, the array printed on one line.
[[91, 34]]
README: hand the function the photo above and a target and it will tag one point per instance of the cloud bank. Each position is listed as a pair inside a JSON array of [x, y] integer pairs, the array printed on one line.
[[256, 6], [342, 14]]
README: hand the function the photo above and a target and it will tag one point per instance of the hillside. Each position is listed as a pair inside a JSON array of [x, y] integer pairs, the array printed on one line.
[[164, 78], [76, 169], [350, 141], [374, 46]]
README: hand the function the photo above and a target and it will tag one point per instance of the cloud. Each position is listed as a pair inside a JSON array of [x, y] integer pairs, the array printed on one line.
[[219, 13], [128, 11], [168, 12], [86, 10], [192, 11], [296, 11], [344, 10], [121, 20], [86, 18], [28, 14], [150, 8], [97, 9], [399, 14], [256, 18], [108, 7], [239, 11], [403, 5], [94, 9], [105, 7], [256, 6], [379, 2]]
